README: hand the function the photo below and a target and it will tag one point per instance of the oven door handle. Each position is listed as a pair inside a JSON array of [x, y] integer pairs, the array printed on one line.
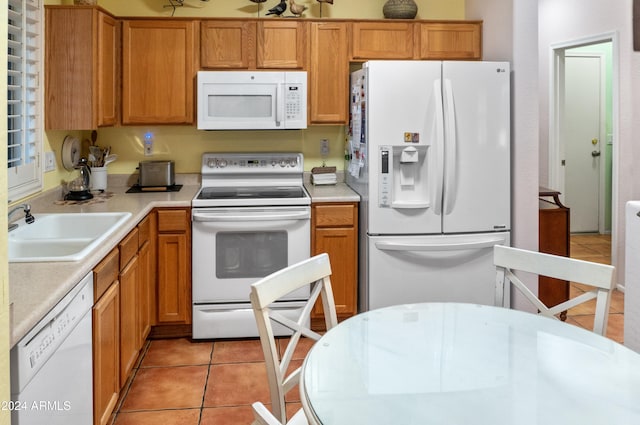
[[262, 216]]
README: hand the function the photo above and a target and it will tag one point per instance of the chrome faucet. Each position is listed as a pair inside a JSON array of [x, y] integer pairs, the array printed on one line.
[[27, 215]]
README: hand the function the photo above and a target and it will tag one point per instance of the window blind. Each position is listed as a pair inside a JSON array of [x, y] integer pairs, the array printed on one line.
[[24, 118]]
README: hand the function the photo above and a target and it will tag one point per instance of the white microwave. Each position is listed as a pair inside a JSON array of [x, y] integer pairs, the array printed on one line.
[[252, 100]]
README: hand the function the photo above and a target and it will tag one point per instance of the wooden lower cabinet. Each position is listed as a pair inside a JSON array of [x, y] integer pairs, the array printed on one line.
[[174, 266], [106, 339], [553, 238], [147, 265], [335, 231], [129, 312], [123, 312]]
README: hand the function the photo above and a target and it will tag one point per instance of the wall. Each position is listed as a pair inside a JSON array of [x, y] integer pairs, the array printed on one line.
[[185, 144], [361, 9], [562, 21], [5, 418], [510, 33]]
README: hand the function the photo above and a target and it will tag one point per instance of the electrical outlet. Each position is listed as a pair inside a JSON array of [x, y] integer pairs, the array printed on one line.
[[49, 161], [324, 148], [148, 144]]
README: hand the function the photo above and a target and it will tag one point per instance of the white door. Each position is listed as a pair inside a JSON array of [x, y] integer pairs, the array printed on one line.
[[581, 133], [477, 147]]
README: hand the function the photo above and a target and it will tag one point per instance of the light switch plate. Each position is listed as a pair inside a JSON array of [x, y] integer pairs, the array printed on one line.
[[49, 161], [148, 144], [324, 148]]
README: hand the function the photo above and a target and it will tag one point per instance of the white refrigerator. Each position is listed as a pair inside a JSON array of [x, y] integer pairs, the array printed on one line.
[[429, 155]]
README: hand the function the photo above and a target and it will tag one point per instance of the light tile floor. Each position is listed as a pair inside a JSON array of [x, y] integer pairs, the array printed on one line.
[[184, 382]]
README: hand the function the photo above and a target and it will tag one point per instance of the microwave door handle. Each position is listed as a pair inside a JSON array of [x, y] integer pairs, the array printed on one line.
[[279, 104], [302, 215]]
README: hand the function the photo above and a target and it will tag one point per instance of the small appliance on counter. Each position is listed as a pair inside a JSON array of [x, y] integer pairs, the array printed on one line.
[[79, 188], [156, 176]]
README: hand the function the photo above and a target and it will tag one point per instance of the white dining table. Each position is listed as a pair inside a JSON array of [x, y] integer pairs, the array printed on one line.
[[467, 364]]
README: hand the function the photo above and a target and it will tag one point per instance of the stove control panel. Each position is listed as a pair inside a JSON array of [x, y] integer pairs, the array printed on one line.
[[230, 163]]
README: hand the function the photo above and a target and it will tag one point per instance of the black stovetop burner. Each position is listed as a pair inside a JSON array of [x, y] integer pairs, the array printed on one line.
[[251, 192]]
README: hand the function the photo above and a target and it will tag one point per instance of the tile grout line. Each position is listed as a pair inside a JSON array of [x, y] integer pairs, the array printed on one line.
[[206, 382]]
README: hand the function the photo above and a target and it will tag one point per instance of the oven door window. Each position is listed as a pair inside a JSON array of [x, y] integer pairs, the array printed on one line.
[[250, 254]]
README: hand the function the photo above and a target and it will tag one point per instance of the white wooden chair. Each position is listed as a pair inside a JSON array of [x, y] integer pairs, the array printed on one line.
[[315, 271], [599, 276]]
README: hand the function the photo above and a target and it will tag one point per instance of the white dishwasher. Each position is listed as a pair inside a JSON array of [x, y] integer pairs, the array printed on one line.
[[51, 367]]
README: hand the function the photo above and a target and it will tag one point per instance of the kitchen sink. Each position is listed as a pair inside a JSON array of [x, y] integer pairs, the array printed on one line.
[[61, 237]]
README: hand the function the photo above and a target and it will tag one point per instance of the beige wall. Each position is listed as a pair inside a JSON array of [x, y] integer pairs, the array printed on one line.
[[185, 144], [361, 9]]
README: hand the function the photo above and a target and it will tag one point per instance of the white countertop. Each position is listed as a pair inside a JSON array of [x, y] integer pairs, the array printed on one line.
[[34, 288], [339, 192]]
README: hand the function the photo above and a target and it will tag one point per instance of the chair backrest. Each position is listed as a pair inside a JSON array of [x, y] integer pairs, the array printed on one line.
[[599, 276], [315, 271]]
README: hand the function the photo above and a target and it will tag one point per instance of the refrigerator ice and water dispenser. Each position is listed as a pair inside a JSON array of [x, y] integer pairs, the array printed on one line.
[[404, 174]]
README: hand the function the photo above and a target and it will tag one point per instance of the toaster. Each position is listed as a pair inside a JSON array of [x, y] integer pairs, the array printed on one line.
[[156, 173]]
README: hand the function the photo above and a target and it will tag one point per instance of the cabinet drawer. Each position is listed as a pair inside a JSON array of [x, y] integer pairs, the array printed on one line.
[[334, 215], [105, 273], [173, 220], [128, 248], [144, 231]]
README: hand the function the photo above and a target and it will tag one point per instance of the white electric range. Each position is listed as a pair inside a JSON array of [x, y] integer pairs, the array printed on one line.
[[250, 218]]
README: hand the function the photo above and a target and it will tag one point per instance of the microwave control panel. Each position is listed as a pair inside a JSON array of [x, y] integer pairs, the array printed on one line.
[[293, 102]]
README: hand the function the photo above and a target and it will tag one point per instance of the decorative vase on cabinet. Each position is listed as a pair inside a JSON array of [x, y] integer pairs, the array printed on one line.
[[400, 9]]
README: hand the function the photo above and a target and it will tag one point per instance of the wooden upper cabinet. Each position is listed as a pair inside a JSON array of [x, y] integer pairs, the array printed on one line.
[[449, 40], [108, 67], [281, 44], [329, 73], [251, 44], [81, 68], [227, 44], [382, 40], [158, 71]]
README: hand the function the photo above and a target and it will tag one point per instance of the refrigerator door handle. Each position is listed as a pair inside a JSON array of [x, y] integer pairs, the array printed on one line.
[[398, 246], [439, 147], [452, 150]]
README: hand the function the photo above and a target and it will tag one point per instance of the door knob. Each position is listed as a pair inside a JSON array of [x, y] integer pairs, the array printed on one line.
[[595, 153]]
